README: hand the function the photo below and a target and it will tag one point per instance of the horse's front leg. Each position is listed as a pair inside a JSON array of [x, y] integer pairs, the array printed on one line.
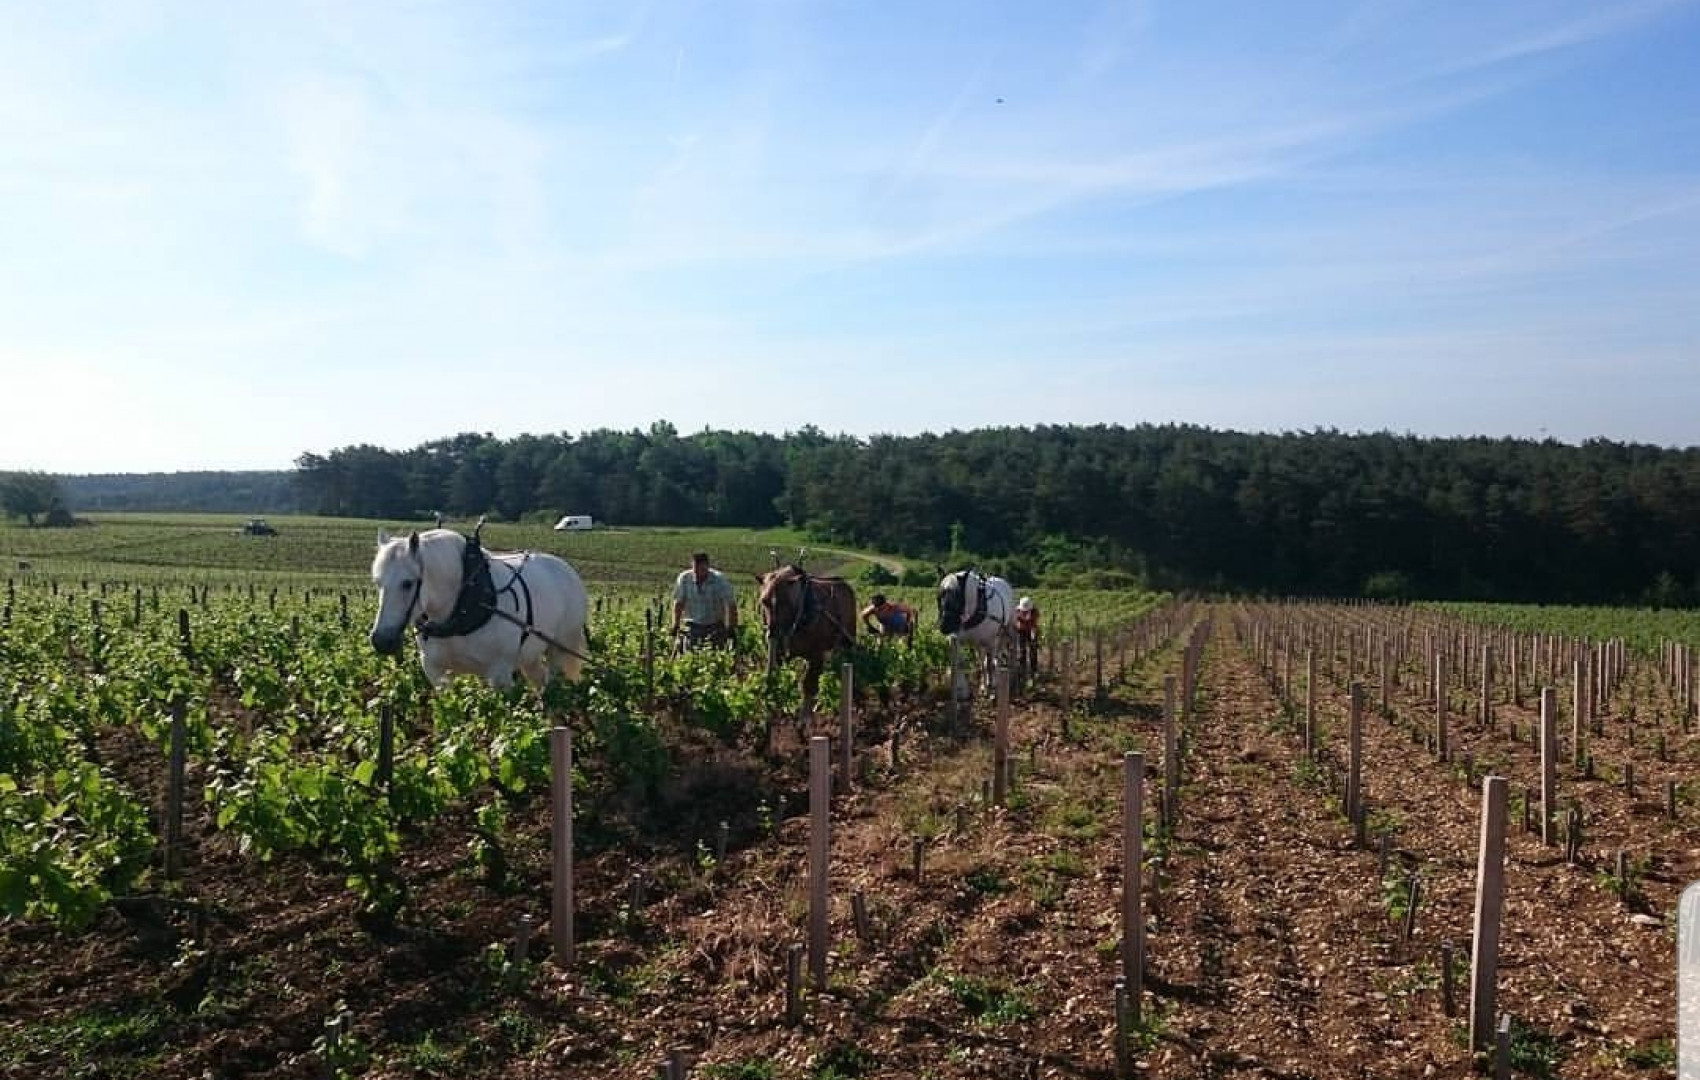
[[534, 662], [811, 690], [963, 660], [436, 671]]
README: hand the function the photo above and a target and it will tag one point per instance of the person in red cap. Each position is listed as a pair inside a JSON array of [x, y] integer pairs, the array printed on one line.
[[1027, 636]]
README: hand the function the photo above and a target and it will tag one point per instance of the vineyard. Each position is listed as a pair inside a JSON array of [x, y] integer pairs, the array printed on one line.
[[361, 881], [207, 548]]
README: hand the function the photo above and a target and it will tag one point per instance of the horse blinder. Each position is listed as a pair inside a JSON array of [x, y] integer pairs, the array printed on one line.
[[950, 609]]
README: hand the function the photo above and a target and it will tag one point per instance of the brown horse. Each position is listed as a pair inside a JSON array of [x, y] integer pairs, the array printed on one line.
[[806, 617]]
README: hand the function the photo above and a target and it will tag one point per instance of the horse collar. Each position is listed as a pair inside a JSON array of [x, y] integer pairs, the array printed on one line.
[[805, 603], [980, 606], [476, 599]]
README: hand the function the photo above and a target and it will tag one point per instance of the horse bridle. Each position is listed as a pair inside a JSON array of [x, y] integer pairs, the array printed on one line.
[[959, 593], [418, 591], [802, 583]]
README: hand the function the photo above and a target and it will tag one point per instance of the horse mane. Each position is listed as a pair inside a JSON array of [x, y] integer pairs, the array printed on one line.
[[439, 551], [794, 571]]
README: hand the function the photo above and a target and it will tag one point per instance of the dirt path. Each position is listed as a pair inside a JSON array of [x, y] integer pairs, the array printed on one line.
[[1272, 936], [1301, 965]]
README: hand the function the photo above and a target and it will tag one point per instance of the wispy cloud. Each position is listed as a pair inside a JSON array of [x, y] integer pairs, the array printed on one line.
[[921, 152], [1594, 24], [333, 136], [1108, 34]]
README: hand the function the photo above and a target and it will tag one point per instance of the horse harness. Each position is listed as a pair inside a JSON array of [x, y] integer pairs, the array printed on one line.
[[982, 610], [808, 607], [479, 600], [477, 597]]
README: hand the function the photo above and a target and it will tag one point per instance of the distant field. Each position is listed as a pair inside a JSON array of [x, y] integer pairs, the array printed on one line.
[[319, 552], [324, 552], [1641, 628], [154, 547]]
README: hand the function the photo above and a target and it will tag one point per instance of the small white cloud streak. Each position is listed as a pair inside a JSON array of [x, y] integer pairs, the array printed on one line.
[[346, 203], [1597, 24], [1108, 35], [924, 147]]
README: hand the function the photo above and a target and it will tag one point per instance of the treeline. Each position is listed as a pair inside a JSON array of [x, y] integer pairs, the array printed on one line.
[[1166, 506], [254, 492]]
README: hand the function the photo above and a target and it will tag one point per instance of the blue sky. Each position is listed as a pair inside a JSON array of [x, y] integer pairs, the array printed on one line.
[[231, 233]]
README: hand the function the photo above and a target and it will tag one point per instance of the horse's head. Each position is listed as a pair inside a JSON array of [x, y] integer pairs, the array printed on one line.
[[953, 601], [780, 601], [414, 579]]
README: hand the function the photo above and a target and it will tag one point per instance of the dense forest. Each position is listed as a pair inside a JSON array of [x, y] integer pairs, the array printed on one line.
[[268, 492], [1168, 506]]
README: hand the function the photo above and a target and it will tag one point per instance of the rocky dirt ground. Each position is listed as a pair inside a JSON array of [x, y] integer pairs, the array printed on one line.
[[1274, 949]]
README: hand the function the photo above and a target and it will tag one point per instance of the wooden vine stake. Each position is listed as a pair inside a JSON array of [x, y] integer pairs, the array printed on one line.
[[1579, 715], [1124, 1031], [1133, 855], [1413, 898], [1098, 667], [1440, 741], [1549, 765], [1171, 753], [846, 732], [561, 850], [1067, 696], [820, 824], [1490, 890], [1386, 675], [385, 774], [1000, 741], [1485, 720], [1355, 764], [174, 793], [1310, 703], [519, 949], [649, 657], [794, 984], [1516, 686]]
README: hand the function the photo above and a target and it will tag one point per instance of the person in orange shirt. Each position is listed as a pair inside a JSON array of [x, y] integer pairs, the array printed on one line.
[[890, 619]]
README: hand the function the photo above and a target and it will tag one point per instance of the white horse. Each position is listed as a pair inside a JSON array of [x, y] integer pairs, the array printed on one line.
[[979, 610], [479, 613]]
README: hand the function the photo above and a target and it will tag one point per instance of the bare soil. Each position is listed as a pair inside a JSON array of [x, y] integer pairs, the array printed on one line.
[[1273, 948]]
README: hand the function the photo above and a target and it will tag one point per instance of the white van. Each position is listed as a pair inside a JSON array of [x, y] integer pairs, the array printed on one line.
[[573, 523]]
